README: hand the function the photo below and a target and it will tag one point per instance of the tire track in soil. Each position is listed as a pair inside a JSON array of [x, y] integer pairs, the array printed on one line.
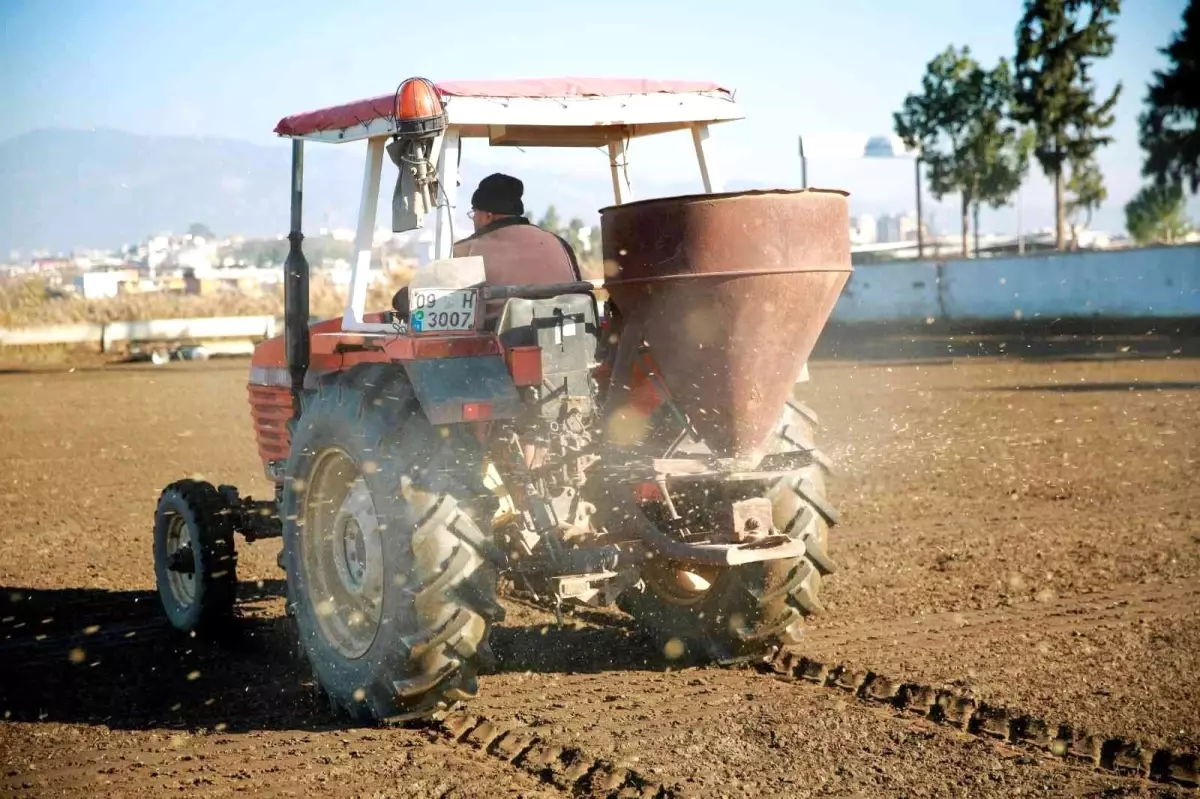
[[567, 768], [1120, 604], [556, 764], [295, 765], [564, 766], [1112, 753]]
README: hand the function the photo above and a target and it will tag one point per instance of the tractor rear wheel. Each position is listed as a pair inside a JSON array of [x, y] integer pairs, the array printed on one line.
[[733, 612], [195, 564], [391, 579]]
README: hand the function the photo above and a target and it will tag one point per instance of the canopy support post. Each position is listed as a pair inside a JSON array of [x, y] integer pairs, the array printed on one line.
[[701, 138], [364, 237], [447, 171], [618, 165]]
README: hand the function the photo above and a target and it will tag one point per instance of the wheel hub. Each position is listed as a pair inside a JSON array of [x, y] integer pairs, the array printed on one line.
[[678, 584], [353, 553], [181, 562]]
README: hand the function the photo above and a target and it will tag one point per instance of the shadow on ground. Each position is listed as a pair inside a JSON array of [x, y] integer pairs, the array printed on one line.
[[94, 656], [1046, 341], [1087, 388]]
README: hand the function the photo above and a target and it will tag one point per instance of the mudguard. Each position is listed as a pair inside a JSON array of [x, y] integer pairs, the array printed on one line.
[[445, 385]]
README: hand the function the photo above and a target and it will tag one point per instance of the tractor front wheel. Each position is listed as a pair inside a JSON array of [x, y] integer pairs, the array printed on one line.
[[195, 565], [391, 580]]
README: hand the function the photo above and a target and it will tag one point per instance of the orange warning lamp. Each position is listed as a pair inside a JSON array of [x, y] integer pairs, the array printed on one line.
[[419, 109]]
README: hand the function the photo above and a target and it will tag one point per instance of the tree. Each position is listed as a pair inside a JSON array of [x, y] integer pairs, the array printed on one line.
[[1003, 165], [200, 230], [1055, 93], [574, 234], [1157, 214], [550, 221], [958, 122], [1085, 190], [1169, 126]]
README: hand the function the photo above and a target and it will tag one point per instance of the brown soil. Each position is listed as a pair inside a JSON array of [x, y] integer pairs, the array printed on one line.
[[1027, 531]]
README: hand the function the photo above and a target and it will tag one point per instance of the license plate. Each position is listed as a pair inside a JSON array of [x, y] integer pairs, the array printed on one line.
[[442, 310]]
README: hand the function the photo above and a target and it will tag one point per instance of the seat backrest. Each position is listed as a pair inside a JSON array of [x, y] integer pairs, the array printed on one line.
[[566, 329]]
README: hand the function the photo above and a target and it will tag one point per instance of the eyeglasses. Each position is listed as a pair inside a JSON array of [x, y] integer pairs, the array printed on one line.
[[471, 214]]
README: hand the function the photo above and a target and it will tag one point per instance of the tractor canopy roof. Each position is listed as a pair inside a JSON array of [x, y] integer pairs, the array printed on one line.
[[552, 112]]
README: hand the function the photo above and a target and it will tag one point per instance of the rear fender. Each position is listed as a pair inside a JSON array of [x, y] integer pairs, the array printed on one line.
[[470, 389]]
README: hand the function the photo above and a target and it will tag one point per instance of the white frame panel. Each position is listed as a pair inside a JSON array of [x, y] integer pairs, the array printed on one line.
[[447, 168], [662, 111], [364, 238], [618, 167], [709, 172]]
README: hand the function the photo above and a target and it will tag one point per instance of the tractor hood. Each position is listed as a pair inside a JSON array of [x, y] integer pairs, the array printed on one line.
[[730, 292]]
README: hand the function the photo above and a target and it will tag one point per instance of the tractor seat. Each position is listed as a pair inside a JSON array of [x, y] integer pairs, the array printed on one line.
[[566, 329]]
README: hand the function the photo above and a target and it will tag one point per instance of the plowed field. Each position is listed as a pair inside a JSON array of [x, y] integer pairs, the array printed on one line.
[[1025, 533]]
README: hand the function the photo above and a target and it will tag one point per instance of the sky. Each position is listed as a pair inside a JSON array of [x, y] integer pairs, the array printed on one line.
[[233, 69]]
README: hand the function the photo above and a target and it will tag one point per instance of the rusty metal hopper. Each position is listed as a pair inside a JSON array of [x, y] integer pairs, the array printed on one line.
[[730, 292]]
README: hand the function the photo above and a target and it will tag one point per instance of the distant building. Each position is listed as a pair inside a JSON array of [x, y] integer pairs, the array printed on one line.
[[863, 229], [51, 264], [157, 250], [895, 227], [887, 229], [198, 256], [103, 284]]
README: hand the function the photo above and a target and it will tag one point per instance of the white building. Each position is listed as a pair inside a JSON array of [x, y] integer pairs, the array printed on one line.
[[201, 256], [98, 285], [863, 229], [887, 229]]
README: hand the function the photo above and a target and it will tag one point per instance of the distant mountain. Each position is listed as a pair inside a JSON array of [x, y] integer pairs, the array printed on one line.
[[67, 189]]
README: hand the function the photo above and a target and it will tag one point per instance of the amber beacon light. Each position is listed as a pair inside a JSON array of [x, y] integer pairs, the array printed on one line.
[[419, 109]]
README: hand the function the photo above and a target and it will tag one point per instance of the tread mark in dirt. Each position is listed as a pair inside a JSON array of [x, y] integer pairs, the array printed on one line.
[[565, 767], [1114, 754]]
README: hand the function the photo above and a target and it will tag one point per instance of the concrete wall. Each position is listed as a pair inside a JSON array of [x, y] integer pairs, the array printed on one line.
[[1159, 282], [165, 330]]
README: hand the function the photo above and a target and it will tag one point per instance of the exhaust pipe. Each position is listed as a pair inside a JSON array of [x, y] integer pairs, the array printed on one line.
[[295, 287]]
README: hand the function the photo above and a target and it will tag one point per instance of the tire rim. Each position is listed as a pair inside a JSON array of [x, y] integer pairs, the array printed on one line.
[[342, 554], [677, 585], [181, 584]]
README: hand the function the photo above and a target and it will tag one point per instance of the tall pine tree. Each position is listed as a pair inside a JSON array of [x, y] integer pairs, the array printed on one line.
[[1057, 41], [1170, 126]]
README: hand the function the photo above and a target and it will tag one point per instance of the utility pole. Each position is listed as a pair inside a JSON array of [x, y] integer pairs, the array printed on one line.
[[1020, 231], [920, 233], [803, 165]]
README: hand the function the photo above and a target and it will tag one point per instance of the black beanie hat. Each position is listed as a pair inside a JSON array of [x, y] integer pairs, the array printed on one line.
[[499, 194]]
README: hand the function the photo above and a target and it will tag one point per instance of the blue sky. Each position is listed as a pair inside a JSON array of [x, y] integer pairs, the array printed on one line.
[[233, 69]]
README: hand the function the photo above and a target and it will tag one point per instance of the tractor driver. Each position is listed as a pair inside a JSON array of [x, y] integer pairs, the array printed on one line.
[[515, 251]]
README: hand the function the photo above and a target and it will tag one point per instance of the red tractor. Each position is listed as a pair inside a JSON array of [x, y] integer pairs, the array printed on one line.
[[632, 441]]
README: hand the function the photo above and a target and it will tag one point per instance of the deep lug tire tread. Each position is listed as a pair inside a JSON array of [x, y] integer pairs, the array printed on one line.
[[445, 588], [755, 608]]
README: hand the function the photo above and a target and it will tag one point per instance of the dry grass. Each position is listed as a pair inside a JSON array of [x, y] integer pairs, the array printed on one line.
[[24, 304]]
